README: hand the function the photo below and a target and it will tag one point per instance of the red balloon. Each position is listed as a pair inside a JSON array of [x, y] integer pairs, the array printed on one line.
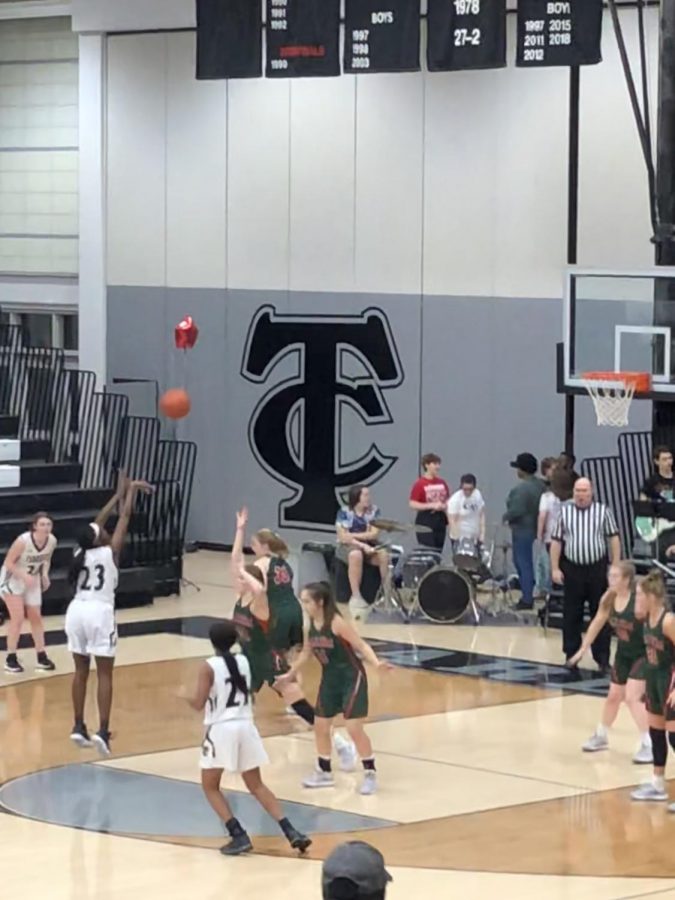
[[186, 334]]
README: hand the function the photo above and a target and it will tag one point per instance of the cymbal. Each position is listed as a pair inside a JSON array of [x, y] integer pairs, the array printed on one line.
[[394, 527]]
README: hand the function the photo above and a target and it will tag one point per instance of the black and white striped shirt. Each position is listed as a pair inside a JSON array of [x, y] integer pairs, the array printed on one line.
[[584, 531]]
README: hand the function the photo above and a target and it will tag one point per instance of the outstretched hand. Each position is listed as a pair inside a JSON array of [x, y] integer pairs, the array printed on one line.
[[242, 517], [143, 486]]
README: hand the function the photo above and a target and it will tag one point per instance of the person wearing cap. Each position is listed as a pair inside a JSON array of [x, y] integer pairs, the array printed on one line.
[[354, 871], [522, 514]]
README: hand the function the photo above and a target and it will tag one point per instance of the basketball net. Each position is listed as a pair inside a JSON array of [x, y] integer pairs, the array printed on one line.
[[612, 394], [611, 401]]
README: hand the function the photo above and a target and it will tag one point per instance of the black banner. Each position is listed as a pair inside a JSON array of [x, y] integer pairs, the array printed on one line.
[[303, 38], [559, 32], [382, 36], [229, 39], [466, 34]]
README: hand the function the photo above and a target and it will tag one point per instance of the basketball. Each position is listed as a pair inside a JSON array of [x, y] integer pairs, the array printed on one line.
[[175, 403]]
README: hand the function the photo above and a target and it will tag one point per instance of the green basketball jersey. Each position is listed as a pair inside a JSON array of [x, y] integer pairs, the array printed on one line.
[[280, 583], [629, 630], [660, 650], [334, 654]]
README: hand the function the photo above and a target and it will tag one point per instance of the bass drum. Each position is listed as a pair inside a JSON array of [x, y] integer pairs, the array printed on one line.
[[444, 595]]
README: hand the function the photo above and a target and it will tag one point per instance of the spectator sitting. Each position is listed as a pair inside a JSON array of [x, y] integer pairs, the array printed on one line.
[[354, 871]]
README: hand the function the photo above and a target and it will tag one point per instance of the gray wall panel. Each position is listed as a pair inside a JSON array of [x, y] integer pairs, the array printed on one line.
[[488, 391]]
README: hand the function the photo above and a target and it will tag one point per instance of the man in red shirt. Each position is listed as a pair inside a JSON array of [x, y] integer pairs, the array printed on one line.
[[429, 498]]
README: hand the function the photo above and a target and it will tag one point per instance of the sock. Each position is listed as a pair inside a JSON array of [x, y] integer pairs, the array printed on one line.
[[324, 764], [79, 724], [285, 826], [234, 828], [11, 657], [659, 782], [369, 764], [601, 730], [305, 710], [104, 727], [41, 654]]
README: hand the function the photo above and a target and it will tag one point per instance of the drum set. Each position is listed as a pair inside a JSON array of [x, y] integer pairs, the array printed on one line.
[[419, 582]]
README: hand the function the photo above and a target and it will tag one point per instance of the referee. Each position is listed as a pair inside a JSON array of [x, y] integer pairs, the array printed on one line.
[[579, 561]]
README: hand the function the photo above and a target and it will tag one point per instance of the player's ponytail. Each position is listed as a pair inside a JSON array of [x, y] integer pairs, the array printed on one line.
[[86, 540], [223, 635], [274, 542]]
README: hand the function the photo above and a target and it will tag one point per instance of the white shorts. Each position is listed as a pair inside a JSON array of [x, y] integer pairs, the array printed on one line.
[[235, 746], [16, 588], [91, 628]]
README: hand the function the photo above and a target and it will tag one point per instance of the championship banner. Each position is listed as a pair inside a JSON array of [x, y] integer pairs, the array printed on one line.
[[382, 36], [466, 34], [229, 39], [303, 38], [559, 32]]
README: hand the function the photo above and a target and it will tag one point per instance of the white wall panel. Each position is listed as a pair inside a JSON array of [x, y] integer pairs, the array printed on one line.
[[196, 172], [322, 184], [132, 15], [460, 162], [530, 186], [614, 226], [258, 184], [389, 169], [137, 159]]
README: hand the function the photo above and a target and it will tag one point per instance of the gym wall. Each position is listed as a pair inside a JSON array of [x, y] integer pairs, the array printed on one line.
[[438, 201]]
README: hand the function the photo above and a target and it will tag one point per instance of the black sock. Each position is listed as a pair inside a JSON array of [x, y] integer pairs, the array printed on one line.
[[79, 724], [285, 826], [369, 764], [11, 657], [305, 710], [41, 654], [324, 764], [104, 727], [234, 828]]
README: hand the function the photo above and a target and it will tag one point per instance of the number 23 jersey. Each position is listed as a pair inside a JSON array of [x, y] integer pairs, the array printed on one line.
[[98, 578]]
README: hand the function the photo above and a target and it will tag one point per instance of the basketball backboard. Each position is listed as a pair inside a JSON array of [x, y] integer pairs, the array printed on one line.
[[609, 325]]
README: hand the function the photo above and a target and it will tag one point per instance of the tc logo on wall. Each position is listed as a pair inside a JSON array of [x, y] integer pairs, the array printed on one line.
[[297, 430]]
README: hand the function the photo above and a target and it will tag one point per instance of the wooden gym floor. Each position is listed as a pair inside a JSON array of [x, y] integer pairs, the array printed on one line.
[[483, 788]]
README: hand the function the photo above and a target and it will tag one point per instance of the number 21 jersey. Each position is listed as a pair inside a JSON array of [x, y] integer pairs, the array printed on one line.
[[225, 702], [98, 578]]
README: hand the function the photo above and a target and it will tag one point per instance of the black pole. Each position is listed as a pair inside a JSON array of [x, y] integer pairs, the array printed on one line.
[[663, 426], [572, 221]]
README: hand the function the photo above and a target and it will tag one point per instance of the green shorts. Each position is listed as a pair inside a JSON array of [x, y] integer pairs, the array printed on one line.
[[264, 669], [345, 692], [626, 666], [286, 627], [658, 685]]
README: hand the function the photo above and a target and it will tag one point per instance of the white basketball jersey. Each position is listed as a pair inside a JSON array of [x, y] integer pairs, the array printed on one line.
[[98, 578], [225, 701], [33, 560]]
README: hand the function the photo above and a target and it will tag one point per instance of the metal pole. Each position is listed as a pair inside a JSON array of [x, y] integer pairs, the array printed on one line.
[[572, 220], [664, 294]]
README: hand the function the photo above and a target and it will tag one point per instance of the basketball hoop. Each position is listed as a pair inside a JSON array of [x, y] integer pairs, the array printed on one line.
[[613, 392]]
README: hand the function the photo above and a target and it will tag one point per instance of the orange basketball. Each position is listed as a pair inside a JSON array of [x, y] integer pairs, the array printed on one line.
[[175, 403]]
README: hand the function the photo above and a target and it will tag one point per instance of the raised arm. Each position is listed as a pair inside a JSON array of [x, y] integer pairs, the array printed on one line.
[[120, 533], [117, 497], [237, 556]]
